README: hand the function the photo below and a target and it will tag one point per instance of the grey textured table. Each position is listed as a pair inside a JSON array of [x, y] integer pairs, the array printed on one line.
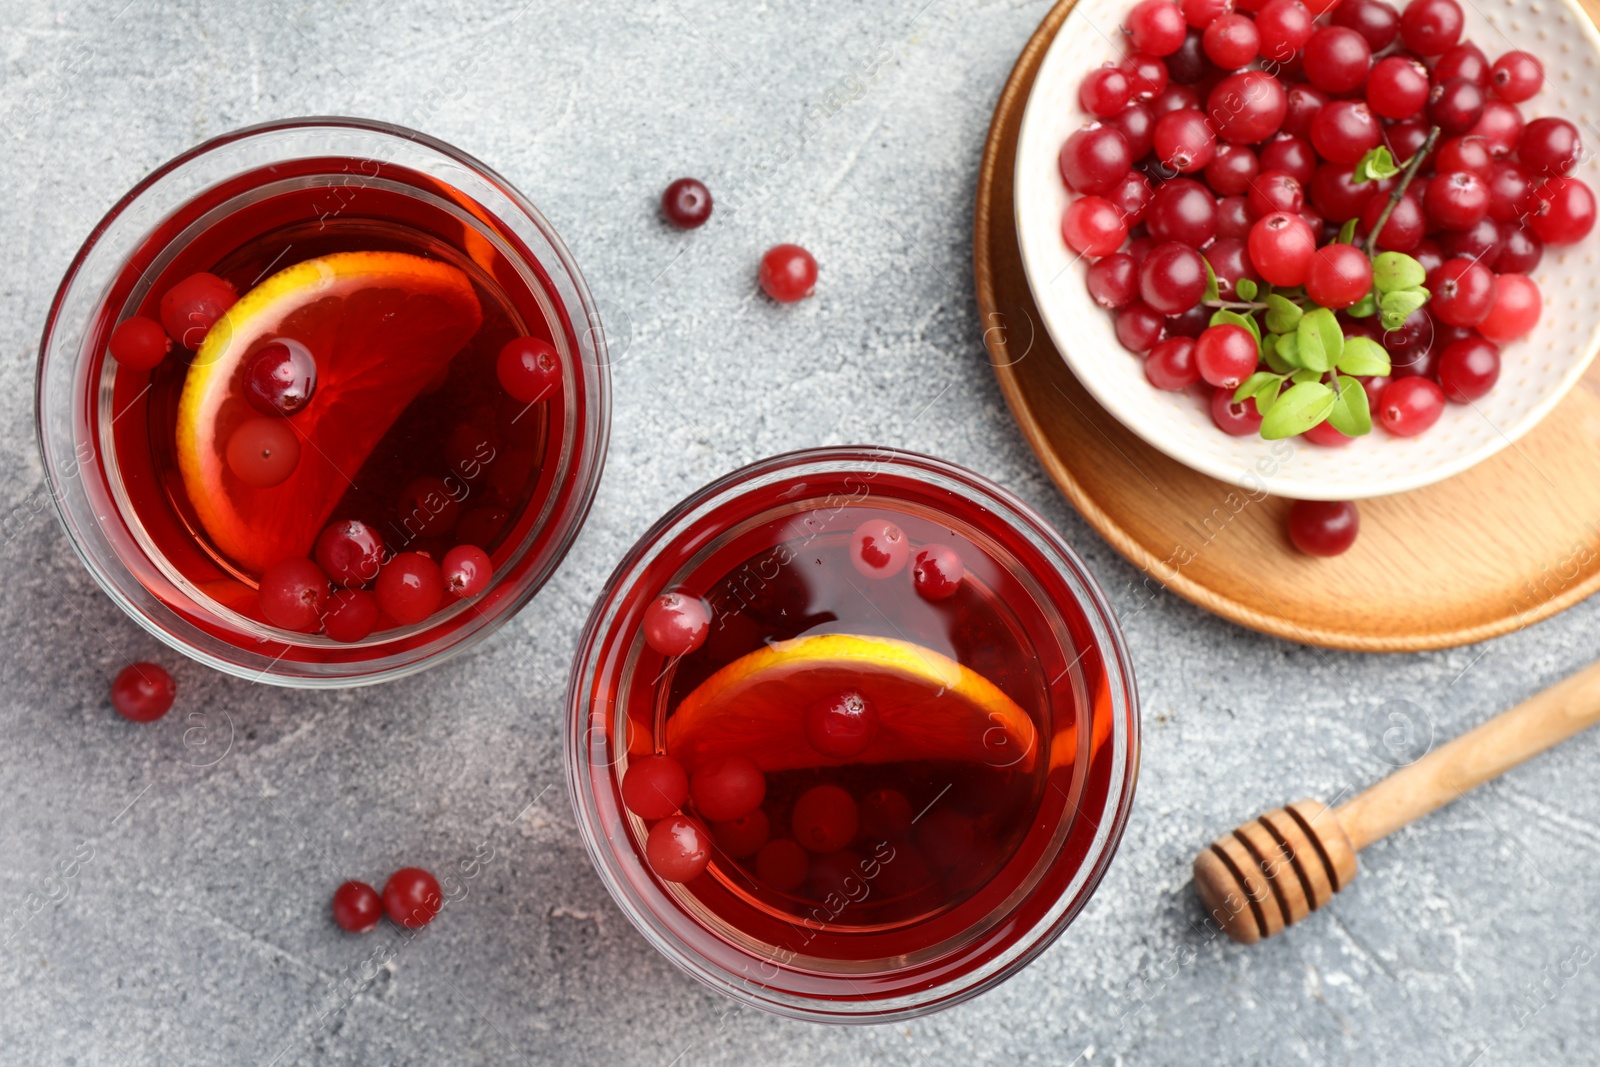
[[190, 925]]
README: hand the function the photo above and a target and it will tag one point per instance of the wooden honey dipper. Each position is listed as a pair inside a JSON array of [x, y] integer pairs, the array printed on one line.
[[1274, 871]]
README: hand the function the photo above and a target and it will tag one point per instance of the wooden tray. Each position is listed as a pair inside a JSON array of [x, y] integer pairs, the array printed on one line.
[[1511, 541]]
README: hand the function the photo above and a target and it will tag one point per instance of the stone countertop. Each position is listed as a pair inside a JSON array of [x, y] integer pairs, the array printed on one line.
[[193, 927]]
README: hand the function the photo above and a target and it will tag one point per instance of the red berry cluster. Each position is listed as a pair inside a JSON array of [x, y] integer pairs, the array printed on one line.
[[1238, 136], [410, 898]]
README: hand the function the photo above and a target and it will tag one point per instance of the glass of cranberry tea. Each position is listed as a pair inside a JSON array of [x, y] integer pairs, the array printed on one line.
[[322, 402], [851, 734]]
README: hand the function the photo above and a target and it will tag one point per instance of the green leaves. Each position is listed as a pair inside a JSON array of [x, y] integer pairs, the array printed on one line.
[[1347, 233], [1283, 314], [1393, 308], [1375, 165], [1245, 288], [1366, 307], [1349, 414], [1211, 281], [1394, 272], [1363, 357], [1247, 321], [1297, 410], [1261, 385], [1321, 340]]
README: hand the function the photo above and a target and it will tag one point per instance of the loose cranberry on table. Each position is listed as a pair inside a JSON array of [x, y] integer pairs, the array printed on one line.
[[528, 369], [357, 907], [139, 343], [143, 692], [411, 897], [686, 203], [654, 786], [1323, 527], [788, 273], [676, 625]]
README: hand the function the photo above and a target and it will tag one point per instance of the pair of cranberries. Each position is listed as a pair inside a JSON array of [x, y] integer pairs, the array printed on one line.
[[411, 898]]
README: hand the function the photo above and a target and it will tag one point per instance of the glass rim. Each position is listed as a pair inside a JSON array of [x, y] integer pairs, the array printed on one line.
[[411, 650], [722, 495]]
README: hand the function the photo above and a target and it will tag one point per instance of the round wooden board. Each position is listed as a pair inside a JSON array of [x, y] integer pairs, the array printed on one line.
[[1511, 541]]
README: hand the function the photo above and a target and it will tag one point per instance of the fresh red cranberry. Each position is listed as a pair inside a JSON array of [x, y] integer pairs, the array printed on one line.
[[842, 726], [1325, 435], [1226, 355], [1137, 124], [1509, 184], [1464, 153], [263, 452], [1171, 366], [1201, 13], [1105, 91], [1404, 229], [1275, 191], [1173, 278], [293, 594], [1559, 211], [782, 865], [1284, 27], [1301, 104], [1147, 75], [1465, 60], [1336, 193], [1182, 210], [1094, 159], [1428, 254], [1231, 169], [1463, 291], [1455, 105], [427, 507], [1138, 327], [825, 818], [1247, 107], [1189, 324], [280, 378], [1516, 76], [676, 625], [1410, 406], [409, 588], [879, 549], [743, 836], [678, 848], [1397, 88], [936, 572], [788, 273], [1457, 201], [1236, 420], [1431, 27], [1515, 310], [1373, 19], [1156, 27], [654, 786], [1550, 146], [351, 616], [1184, 141], [1482, 241], [1336, 59], [1173, 98], [1131, 197], [728, 788], [528, 368], [1091, 226], [1340, 275], [1468, 369], [1520, 253], [886, 815], [1189, 65], [1411, 346], [1406, 139], [143, 692], [411, 897], [357, 907], [466, 570], [139, 343], [1499, 127], [1323, 527], [1345, 130], [1290, 154], [1281, 247], [1230, 261], [1233, 218], [1231, 41], [686, 203], [350, 552], [190, 308], [1113, 281]]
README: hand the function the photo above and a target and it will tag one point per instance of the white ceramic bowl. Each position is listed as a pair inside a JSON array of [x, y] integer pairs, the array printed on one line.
[[1536, 371]]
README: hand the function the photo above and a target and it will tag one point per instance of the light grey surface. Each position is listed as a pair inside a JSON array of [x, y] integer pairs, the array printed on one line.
[[197, 931]]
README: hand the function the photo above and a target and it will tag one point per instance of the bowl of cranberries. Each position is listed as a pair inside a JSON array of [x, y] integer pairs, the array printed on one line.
[[1323, 250]]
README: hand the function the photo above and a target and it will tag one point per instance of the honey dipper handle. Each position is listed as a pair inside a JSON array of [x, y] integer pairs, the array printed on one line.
[[1482, 753]]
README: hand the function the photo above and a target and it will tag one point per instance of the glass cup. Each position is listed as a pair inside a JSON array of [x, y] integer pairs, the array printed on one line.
[[317, 181], [766, 551]]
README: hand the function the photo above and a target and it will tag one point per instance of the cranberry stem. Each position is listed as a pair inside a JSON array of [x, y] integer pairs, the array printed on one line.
[[1241, 305], [1414, 165]]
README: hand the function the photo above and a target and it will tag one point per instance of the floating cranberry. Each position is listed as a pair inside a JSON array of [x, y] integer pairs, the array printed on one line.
[[1515, 309], [466, 570], [886, 815], [352, 615], [190, 308], [409, 588], [686, 203], [654, 786], [879, 549], [782, 864], [139, 343], [1323, 527], [528, 368], [143, 692], [357, 907], [727, 788], [263, 452], [411, 897], [676, 625], [841, 726], [788, 273], [743, 836], [280, 378], [936, 572], [825, 818], [946, 838], [350, 552], [293, 594]]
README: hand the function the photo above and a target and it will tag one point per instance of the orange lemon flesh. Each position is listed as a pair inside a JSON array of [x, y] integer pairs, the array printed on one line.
[[381, 326], [929, 707]]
